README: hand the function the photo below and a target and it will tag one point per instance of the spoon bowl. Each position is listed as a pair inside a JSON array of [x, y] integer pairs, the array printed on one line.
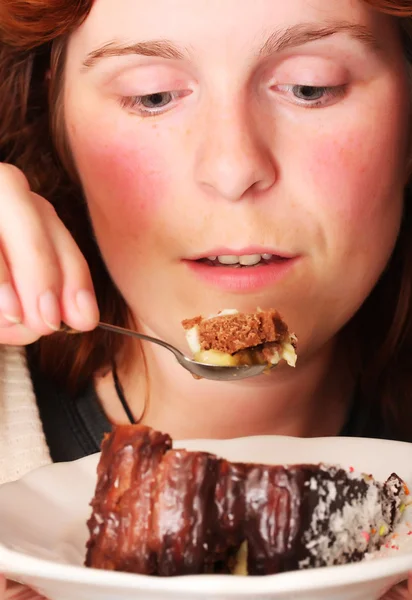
[[218, 373]]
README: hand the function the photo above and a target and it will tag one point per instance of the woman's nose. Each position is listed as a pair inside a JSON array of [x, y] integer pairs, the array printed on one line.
[[234, 159]]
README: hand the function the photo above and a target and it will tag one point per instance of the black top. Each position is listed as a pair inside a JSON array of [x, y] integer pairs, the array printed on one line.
[[74, 426]]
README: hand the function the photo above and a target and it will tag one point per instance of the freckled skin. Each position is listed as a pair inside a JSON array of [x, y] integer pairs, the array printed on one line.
[[230, 166]]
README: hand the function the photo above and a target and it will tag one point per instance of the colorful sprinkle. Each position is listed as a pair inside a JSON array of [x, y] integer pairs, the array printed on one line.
[[366, 535], [383, 530], [373, 531], [351, 469]]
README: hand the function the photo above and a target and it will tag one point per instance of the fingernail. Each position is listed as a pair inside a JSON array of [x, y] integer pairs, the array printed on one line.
[[6, 324], [50, 310], [11, 319], [87, 306], [9, 304]]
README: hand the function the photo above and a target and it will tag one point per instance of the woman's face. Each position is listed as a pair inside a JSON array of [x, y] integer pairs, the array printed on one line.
[[227, 128]]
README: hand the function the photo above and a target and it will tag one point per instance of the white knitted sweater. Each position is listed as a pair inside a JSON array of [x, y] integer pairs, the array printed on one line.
[[22, 443]]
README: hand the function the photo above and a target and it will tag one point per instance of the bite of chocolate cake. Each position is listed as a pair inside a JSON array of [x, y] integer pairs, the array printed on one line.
[[166, 512], [231, 338]]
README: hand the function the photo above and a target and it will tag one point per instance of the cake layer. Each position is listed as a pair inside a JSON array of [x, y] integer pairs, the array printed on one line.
[[230, 333]]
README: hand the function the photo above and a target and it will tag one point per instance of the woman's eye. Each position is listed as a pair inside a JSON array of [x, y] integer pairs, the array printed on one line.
[[311, 96], [158, 100], [151, 104], [308, 92]]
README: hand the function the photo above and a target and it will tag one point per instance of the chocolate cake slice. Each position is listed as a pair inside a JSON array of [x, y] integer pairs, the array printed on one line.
[[232, 338], [166, 512]]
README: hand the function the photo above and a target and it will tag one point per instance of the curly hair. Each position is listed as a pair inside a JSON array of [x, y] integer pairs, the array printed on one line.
[[33, 36]]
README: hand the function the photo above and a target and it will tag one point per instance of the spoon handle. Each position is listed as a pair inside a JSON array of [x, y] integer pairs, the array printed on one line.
[[130, 333]]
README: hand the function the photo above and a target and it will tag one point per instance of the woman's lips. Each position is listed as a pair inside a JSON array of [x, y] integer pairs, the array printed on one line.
[[242, 279]]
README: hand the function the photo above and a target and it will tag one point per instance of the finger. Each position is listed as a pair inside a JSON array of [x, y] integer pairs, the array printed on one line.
[[17, 335], [400, 592], [31, 258], [12, 332], [78, 303], [21, 592], [25, 594], [10, 307]]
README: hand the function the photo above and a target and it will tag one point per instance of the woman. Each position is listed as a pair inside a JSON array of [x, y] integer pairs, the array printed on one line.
[[176, 141]]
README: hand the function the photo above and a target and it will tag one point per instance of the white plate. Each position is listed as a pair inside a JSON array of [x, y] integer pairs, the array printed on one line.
[[43, 531]]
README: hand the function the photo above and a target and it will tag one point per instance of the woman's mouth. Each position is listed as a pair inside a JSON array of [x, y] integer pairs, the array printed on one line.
[[243, 271]]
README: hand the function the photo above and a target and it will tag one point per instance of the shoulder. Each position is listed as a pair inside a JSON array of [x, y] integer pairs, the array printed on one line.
[[22, 443]]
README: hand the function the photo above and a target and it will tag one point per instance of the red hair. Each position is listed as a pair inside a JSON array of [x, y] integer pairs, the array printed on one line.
[[33, 34]]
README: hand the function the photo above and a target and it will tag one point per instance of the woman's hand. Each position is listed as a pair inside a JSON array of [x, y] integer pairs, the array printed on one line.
[[44, 278], [15, 591], [400, 592]]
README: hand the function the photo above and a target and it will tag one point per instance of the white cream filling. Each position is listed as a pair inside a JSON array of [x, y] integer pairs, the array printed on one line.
[[192, 338], [288, 353]]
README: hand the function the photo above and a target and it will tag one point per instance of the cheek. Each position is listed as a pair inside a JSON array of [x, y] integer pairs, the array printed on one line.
[[357, 182], [124, 180], [357, 194]]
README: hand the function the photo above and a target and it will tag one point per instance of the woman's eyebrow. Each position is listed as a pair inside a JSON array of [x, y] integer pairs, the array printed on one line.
[[303, 33], [157, 48], [280, 40]]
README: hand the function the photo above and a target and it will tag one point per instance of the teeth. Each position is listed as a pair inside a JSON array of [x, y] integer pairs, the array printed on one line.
[[247, 260], [250, 259], [228, 259]]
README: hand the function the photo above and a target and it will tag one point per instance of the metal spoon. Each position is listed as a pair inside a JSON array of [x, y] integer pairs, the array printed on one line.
[[197, 369]]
